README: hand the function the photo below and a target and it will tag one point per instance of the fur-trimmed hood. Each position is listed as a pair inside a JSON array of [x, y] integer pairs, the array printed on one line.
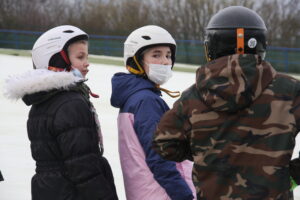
[[39, 80]]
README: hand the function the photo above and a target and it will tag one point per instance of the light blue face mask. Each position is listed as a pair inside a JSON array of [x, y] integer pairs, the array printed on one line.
[[76, 73]]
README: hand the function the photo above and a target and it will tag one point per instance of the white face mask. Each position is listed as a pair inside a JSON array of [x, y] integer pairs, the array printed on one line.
[[159, 74]]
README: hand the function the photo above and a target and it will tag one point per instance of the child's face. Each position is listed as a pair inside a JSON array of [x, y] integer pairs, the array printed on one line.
[[78, 55], [157, 55]]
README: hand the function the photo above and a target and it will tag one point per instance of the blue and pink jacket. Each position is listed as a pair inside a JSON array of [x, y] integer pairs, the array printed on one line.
[[146, 175]]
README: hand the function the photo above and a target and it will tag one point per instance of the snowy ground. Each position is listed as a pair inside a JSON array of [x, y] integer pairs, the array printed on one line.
[[16, 163]]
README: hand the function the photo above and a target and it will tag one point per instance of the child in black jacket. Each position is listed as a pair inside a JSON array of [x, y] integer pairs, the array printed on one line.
[[62, 126]]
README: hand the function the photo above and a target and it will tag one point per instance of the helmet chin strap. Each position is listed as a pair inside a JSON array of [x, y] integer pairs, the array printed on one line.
[[66, 59], [140, 70], [240, 35], [60, 62]]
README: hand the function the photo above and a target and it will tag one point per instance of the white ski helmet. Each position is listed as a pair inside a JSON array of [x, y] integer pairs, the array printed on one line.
[[51, 47], [142, 38]]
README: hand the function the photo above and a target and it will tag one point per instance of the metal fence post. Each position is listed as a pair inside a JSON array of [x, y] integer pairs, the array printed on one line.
[[17, 41], [286, 60]]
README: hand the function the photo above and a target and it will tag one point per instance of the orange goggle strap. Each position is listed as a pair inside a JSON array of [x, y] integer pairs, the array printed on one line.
[[55, 69], [206, 52], [140, 71], [240, 41], [168, 92]]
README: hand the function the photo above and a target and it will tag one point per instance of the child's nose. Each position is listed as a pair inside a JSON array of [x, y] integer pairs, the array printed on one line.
[[165, 61]]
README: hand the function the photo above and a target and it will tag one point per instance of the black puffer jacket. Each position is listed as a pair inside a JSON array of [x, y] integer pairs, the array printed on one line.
[[64, 144]]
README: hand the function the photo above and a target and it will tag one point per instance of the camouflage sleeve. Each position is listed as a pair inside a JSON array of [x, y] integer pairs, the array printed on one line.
[[171, 139], [295, 163]]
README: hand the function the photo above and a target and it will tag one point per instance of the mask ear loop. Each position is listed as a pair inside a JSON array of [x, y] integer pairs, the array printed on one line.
[[240, 41]]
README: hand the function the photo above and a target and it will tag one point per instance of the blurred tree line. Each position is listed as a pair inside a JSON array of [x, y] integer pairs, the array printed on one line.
[[184, 19]]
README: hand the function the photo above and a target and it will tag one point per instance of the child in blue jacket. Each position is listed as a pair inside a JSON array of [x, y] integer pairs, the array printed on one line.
[[149, 54]]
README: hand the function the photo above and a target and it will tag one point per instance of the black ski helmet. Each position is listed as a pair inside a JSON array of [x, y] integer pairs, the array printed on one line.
[[235, 30]]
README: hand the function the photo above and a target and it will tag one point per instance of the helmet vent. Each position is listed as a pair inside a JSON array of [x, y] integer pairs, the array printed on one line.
[[146, 37], [68, 31]]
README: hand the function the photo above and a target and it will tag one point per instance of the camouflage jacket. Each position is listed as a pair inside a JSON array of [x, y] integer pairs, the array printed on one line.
[[238, 124]]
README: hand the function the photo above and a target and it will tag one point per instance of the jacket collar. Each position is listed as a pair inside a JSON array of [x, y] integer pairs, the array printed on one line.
[[36, 81], [124, 85]]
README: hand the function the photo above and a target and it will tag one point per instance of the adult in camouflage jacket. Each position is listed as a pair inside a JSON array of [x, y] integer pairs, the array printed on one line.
[[238, 124]]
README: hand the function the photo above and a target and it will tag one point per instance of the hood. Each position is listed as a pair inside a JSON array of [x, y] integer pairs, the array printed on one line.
[[38, 82], [124, 85], [232, 83]]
